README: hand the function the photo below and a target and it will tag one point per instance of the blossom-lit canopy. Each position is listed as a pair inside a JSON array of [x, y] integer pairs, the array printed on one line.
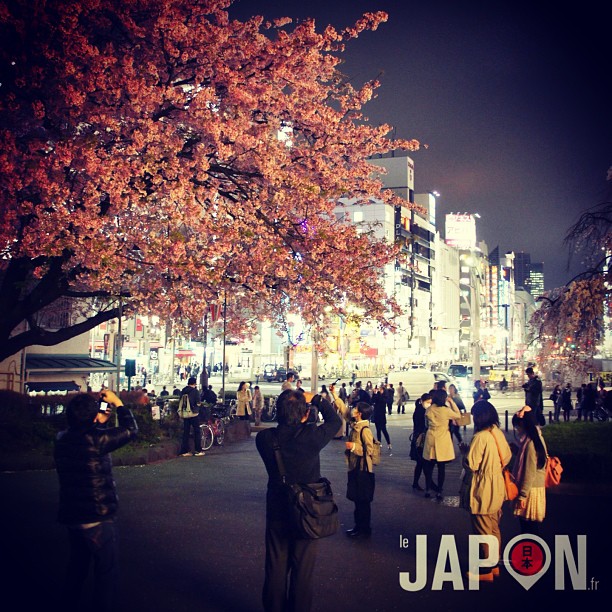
[[157, 150]]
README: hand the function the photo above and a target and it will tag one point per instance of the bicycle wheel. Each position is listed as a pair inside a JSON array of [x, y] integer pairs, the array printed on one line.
[[220, 435], [207, 436], [600, 415]]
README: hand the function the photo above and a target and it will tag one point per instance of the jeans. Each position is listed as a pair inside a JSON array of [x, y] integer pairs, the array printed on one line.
[[97, 544]]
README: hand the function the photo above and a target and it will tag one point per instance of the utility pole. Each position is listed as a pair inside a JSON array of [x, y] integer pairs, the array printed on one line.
[[475, 311]]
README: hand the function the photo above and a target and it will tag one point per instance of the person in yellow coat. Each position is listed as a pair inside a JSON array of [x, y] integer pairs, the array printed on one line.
[[438, 449], [488, 452]]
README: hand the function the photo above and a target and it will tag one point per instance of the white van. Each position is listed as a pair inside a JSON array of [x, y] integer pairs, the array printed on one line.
[[460, 374], [416, 381]]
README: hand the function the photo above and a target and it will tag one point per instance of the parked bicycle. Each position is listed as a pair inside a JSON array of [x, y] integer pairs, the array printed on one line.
[[213, 431]]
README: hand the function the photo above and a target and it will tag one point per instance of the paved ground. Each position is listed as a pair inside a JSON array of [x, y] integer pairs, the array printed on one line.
[[191, 538]]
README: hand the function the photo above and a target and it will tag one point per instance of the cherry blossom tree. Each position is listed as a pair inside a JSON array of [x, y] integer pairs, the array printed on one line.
[[571, 322], [156, 156]]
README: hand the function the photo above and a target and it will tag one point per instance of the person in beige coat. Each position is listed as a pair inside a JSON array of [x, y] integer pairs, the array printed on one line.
[[529, 472], [360, 488], [244, 398], [438, 449], [258, 404], [487, 452]]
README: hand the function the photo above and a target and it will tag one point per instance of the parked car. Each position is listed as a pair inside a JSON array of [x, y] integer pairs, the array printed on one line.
[[274, 373]]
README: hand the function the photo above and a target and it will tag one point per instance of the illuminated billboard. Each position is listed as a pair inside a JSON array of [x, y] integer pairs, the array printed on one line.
[[461, 230]]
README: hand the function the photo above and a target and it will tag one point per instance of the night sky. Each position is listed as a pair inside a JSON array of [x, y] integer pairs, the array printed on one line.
[[509, 97]]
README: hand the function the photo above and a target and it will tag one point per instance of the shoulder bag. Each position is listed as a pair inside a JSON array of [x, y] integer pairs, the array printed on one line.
[[361, 482], [510, 485], [553, 471], [313, 513]]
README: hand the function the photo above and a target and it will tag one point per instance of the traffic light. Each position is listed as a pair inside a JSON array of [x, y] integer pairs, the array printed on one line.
[[130, 367]]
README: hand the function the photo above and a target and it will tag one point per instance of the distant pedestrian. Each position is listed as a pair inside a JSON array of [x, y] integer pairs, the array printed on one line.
[[555, 398], [533, 395], [243, 397], [258, 402], [379, 416], [589, 401], [288, 383], [360, 394], [417, 439], [390, 394], [566, 401], [455, 428], [342, 393], [191, 423], [480, 391], [402, 397], [164, 392], [579, 396]]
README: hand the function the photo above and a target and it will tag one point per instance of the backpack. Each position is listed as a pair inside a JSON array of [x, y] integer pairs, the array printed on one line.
[[184, 408]]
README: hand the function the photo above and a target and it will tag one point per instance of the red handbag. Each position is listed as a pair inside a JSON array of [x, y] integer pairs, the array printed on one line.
[[553, 471]]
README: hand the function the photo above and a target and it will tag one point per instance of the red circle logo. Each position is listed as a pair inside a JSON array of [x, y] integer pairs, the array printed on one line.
[[527, 557]]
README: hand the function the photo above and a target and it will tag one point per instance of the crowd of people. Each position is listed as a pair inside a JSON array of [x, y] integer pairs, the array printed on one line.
[[437, 417], [306, 424]]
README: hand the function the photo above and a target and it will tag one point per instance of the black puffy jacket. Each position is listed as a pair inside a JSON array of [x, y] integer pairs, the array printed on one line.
[[85, 471]]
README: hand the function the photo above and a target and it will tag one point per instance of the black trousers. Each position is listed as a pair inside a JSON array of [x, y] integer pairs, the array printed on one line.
[[362, 516], [382, 430], [428, 467], [188, 424], [418, 470], [95, 545], [289, 570]]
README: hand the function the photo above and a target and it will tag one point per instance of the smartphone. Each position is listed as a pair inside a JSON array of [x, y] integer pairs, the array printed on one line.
[[104, 408]]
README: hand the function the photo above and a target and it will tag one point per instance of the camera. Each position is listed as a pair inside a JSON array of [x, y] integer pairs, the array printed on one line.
[[104, 407]]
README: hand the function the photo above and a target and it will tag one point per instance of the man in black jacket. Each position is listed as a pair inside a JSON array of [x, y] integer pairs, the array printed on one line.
[[289, 559], [533, 395], [191, 392], [88, 498]]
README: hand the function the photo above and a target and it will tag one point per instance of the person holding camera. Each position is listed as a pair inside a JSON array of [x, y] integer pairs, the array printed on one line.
[[290, 561], [87, 494]]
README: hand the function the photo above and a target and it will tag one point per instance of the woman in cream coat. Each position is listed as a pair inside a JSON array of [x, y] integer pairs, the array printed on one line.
[[244, 397], [438, 449], [487, 491], [356, 453], [529, 472]]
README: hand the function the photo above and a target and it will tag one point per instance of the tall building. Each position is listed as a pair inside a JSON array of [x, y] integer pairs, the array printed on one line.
[[522, 263], [528, 275], [536, 279]]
